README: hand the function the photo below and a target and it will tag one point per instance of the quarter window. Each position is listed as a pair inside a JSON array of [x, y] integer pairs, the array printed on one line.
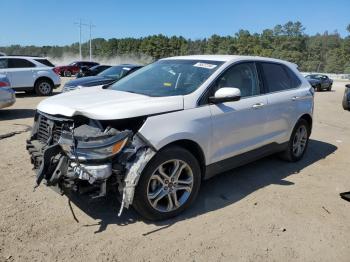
[[242, 76], [19, 63], [277, 78]]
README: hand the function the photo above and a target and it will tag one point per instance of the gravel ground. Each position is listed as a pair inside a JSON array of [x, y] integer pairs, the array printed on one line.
[[266, 211]]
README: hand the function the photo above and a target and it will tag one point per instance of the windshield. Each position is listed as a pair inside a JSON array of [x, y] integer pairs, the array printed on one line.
[[115, 72], [168, 77]]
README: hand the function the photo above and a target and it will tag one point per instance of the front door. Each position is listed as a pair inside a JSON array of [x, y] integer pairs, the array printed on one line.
[[238, 126]]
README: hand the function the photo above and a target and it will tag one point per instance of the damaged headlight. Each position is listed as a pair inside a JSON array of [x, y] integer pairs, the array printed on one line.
[[90, 143], [102, 150]]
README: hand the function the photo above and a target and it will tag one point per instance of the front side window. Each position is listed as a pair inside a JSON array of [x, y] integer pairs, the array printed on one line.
[[242, 76], [3, 63], [168, 77], [19, 63], [276, 77]]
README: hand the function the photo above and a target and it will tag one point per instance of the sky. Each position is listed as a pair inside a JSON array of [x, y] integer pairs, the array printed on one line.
[[52, 22]]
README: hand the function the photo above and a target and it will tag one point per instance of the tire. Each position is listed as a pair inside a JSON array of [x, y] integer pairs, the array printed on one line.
[[329, 88], [289, 154], [67, 73], [165, 160], [43, 87], [319, 89]]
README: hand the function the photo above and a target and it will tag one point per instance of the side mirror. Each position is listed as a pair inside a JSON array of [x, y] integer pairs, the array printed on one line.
[[225, 94], [347, 86]]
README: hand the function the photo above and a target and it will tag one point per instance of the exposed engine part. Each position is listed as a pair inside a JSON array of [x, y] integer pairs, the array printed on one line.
[[88, 156]]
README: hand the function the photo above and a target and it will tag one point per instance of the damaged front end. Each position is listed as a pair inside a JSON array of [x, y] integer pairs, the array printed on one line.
[[89, 156]]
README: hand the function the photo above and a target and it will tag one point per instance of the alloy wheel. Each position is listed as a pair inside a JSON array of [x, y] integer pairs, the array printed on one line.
[[299, 141], [170, 185]]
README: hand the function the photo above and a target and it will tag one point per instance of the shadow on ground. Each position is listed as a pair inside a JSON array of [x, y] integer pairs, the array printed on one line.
[[13, 114], [218, 192]]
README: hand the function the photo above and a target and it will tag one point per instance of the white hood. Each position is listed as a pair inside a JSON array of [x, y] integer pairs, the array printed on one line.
[[106, 104]]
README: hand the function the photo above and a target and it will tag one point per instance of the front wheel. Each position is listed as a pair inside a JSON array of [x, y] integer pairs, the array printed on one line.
[[168, 185], [298, 142]]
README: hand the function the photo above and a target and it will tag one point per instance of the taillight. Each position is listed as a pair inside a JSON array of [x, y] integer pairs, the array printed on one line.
[[56, 71], [4, 84]]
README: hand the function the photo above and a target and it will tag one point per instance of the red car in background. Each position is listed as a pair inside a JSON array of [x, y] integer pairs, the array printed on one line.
[[73, 68]]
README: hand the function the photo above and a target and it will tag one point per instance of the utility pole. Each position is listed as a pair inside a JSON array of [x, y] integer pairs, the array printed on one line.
[[80, 24], [91, 26]]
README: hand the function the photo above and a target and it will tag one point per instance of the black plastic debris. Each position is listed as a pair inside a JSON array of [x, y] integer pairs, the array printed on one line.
[[345, 196]]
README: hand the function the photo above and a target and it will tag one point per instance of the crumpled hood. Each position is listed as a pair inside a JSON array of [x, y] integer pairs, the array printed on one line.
[[90, 81], [106, 104]]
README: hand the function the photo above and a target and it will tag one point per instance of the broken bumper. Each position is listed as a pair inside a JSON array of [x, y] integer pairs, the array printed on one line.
[[84, 159]]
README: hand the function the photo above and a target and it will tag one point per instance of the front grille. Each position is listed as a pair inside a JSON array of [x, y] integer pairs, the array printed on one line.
[[48, 128]]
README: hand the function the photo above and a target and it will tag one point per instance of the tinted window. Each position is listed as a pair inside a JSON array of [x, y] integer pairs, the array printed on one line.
[[45, 62], [276, 77], [242, 76], [19, 63], [294, 79], [3, 63]]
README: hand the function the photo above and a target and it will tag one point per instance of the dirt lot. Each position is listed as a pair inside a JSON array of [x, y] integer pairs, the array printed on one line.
[[266, 211]]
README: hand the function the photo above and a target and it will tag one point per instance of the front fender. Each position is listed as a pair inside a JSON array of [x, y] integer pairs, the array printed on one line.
[[191, 124]]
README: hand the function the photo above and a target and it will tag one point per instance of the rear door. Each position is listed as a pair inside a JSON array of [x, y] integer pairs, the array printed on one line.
[[20, 72], [283, 95], [238, 126]]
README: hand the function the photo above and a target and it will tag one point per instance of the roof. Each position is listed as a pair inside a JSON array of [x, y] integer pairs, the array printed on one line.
[[228, 58], [23, 56]]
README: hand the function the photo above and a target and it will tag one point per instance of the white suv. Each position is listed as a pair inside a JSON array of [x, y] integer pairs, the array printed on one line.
[[30, 74], [155, 134]]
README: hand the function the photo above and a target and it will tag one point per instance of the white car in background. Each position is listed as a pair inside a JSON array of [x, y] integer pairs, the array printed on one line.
[[155, 134], [30, 74], [7, 94]]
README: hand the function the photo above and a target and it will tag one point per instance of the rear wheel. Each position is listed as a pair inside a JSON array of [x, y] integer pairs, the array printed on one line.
[[298, 142], [168, 185], [67, 73], [43, 87], [319, 89]]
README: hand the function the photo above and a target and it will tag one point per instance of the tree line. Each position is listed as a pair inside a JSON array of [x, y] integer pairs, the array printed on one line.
[[327, 52]]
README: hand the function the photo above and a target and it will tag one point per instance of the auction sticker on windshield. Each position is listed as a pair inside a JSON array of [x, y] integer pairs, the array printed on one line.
[[205, 65]]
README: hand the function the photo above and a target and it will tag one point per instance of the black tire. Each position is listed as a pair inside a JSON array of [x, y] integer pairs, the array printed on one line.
[[67, 73], [329, 88], [289, 154], [319, 89], [141, 202], [43, 87]]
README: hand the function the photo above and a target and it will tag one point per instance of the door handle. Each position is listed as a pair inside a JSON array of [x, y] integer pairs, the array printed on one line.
[[294, 98], [258, 105]]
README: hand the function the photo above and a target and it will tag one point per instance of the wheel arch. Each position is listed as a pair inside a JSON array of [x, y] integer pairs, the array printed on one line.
[[194, 148], [308, 119], [43, 78]]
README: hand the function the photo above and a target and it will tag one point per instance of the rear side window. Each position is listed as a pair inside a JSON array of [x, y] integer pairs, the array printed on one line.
[[45, 62], [3, 63], [295, 80], [19, 63], [277, 78]]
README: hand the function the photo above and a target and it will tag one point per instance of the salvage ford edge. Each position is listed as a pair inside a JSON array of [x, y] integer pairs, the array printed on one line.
[[157, 133]]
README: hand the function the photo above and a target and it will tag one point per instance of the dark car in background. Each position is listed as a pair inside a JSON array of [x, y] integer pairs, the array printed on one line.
[[92, 71], [320, 82], [73, 68], [346, 98], [108, 76]]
